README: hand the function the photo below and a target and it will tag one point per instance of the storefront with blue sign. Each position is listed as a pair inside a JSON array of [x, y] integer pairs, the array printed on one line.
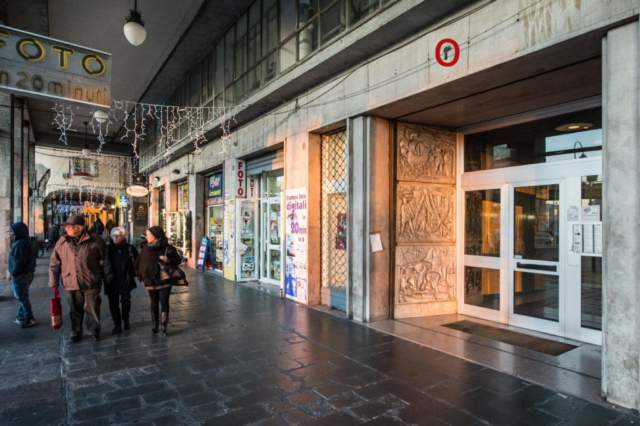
[[215, 219]]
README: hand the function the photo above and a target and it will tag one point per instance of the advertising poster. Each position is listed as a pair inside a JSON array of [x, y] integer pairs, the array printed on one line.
[[214, 190], [296, 244]]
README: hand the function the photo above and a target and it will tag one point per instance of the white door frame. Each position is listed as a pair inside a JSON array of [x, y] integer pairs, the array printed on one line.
[[569, 175]]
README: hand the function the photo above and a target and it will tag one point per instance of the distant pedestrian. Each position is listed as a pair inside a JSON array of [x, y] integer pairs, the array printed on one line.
[[109, 226], [22, 265], [53, 235], [81, 259], [98, 227], [157, 250], [123, 258]]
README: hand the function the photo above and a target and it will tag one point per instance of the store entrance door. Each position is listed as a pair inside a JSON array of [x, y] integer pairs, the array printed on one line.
[[271, 270]]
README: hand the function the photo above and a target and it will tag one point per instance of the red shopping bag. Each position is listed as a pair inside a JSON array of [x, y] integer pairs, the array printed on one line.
[[56, 310]]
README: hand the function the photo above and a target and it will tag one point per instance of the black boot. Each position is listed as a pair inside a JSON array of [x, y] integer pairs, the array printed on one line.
[[154, 320], [116, 329], [165, 322]]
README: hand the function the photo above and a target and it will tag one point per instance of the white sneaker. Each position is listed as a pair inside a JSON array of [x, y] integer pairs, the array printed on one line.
[[17, 321]]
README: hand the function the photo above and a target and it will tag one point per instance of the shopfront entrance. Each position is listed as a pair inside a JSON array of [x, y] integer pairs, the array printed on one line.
[[533, 225]]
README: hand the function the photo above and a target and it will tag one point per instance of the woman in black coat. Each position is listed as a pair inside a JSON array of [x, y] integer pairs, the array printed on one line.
[[123, 258], [156, 251]]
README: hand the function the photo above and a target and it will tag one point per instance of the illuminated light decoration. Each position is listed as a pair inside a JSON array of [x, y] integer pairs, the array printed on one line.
[[134, 29]]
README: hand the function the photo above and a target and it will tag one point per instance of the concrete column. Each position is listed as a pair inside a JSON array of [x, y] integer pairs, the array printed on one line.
[[621, 204], [314, 220], [369, 213], [154, 209], [16, 132], [196, 206], [6, 182], [32, 183]]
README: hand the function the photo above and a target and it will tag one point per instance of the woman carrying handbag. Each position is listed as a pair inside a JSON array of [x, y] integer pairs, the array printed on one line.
[[156, 257]]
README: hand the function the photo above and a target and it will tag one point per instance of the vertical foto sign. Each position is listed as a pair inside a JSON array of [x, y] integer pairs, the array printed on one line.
[[42, 67], [241, 179]]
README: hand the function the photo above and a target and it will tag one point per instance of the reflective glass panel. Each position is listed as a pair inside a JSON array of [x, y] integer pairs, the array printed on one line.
[[591, 305], [537, 222], [270, 67], [308, 39], [573, 136], [274, 224], [482, 287], [592, 191], [288, 54], [254, 34], [359, 9], [536, 295], [333, 22], [229, 56], [482, 223], [253, 80], [275, 267], [307, 9], [241, 45], [287, 18], [248, 237], [269, 25]]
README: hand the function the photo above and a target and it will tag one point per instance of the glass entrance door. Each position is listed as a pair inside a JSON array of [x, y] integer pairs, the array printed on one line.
[[536, 273], [271, 272]]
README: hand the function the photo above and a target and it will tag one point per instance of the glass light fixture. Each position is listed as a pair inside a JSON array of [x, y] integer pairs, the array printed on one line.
[[100, 116], [134, 29]]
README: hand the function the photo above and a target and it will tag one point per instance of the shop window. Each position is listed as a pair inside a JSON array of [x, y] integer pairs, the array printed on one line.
[[307, 10], [308, 39], [332, 22], [254, 34], [287, 54], [360, 9], [272, 183], [287, 18], [269, 25], [482, 287], [574, 136], [482, 223], [241, 45]]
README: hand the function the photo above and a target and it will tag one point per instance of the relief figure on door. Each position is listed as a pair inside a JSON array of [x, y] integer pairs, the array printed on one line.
[[426, 213], [425, 274], [425, 154]]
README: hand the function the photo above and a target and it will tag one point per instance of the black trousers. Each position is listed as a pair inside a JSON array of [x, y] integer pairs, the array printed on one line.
[[160, 297], [84, 305], [114, 307]]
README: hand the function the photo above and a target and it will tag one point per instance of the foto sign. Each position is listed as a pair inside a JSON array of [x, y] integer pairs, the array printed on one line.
[[241, 179], [42, 67]]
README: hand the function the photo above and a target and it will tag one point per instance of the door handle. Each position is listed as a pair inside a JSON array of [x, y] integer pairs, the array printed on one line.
[[550, 268]]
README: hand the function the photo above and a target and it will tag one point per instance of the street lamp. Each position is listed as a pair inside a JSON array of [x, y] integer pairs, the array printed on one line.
[[134, 29]]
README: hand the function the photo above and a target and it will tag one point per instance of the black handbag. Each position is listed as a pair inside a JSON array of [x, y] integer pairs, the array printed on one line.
[[172, 274]]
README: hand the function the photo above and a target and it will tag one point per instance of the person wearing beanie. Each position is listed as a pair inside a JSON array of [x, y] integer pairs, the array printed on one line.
[[123, 256], [81, 260], [147, 268]]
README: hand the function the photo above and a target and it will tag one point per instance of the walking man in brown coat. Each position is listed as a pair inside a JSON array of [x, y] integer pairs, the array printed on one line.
[[81, 260]]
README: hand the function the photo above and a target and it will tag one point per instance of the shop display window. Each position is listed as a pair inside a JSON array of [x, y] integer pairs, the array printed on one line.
[[248, 242], [216, 228]]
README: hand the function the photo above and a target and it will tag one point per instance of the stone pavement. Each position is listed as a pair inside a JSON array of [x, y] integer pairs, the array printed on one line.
[[238, 356]]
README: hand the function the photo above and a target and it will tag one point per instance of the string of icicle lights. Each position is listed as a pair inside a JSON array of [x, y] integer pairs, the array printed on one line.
[[136, 118]]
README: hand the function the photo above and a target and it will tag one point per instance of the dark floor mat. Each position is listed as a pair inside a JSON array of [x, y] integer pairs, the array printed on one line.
[[532, 343]]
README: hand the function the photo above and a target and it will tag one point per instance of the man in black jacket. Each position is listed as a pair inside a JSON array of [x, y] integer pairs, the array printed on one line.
[[81, 261], [22, 264]]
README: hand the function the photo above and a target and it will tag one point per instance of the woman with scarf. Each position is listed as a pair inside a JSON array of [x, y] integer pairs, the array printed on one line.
[[147, 267], [123, 256]]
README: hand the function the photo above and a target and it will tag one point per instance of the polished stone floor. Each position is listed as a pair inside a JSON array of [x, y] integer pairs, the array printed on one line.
[[238, 356]]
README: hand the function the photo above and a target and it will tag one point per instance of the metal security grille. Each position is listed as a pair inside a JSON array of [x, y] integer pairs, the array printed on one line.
[[334, 210]]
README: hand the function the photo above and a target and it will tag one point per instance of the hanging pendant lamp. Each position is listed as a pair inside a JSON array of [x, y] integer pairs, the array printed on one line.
[[134, 29]]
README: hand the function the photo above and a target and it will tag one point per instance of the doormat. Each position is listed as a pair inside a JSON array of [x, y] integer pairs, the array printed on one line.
[[526, 341]]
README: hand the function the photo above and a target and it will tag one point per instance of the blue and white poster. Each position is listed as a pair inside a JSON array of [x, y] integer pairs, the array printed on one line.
[[214, 190], [296, 244]]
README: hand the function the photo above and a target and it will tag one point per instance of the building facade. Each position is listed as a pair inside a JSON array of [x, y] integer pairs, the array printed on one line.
[[402, 159]]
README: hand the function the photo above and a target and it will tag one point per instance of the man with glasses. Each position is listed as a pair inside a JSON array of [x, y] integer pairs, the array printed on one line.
[[122, 256], [81, 261]]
